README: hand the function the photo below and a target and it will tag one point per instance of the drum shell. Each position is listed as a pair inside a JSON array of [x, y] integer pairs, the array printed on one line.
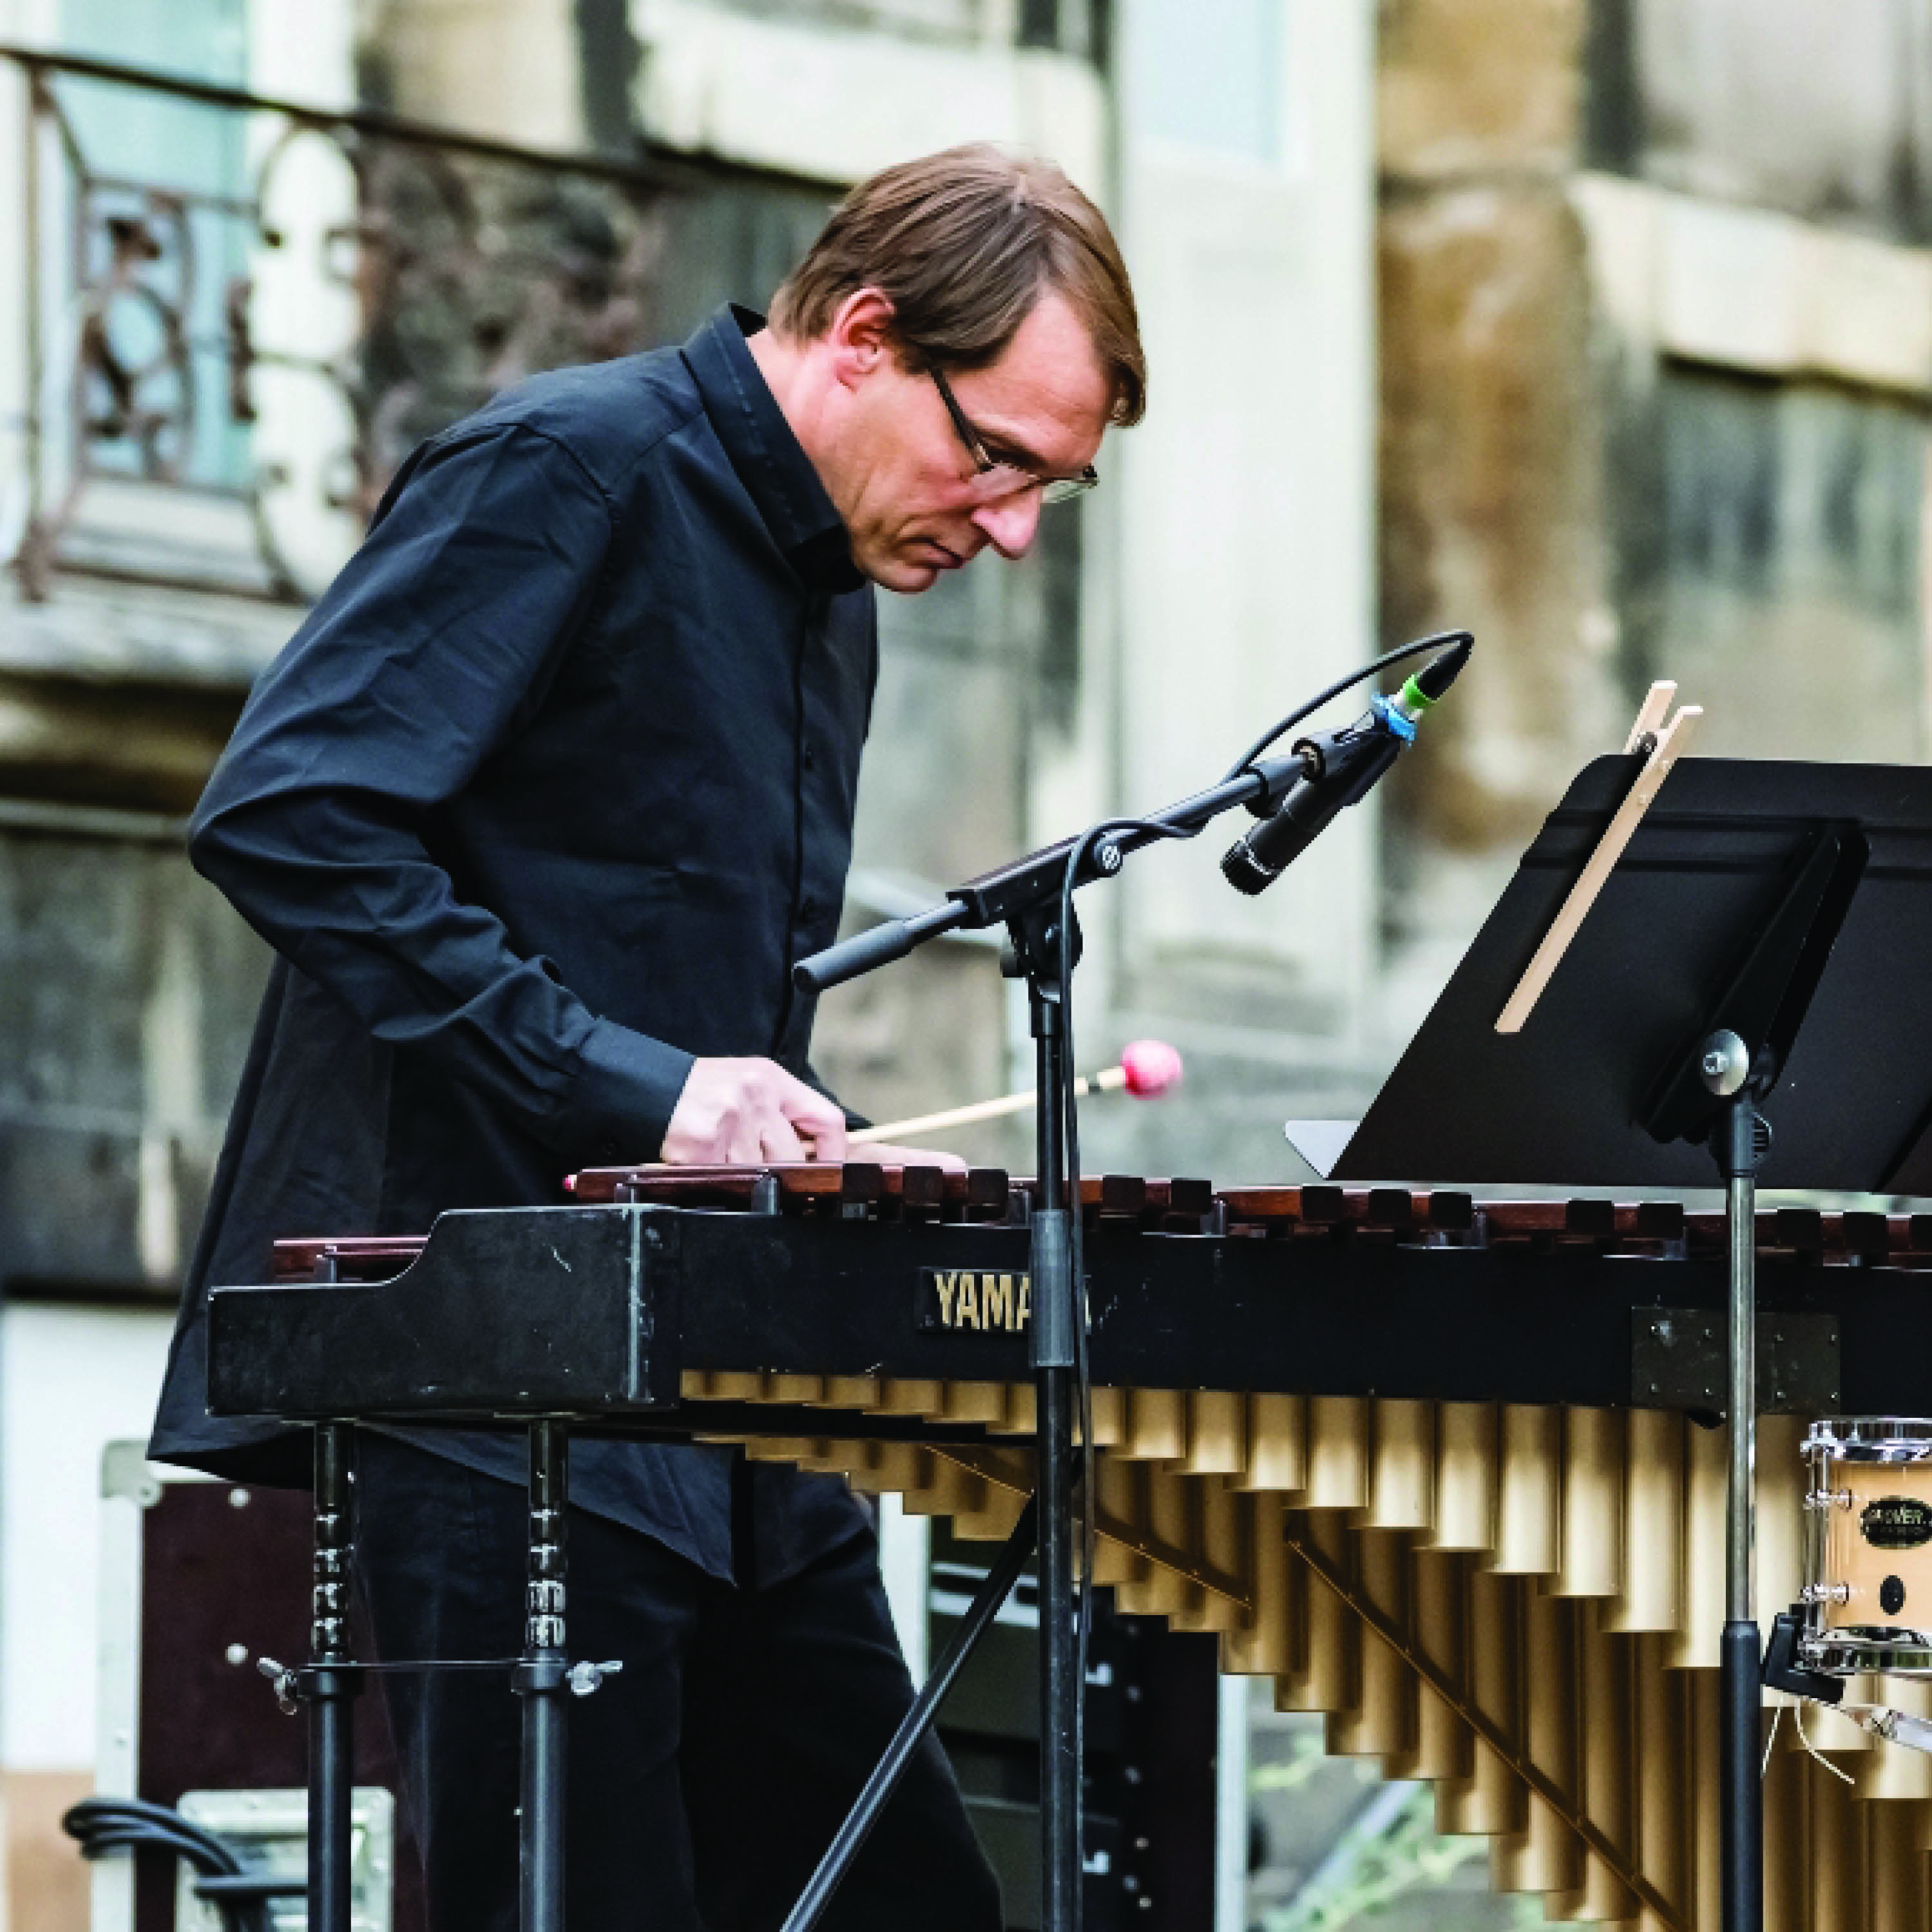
[[1868, 1547]]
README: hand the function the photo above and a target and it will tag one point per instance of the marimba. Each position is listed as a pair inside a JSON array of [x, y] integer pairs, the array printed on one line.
[[1447, 1471]]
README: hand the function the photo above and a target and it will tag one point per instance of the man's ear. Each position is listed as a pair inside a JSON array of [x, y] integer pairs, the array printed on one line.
[[860, 339]]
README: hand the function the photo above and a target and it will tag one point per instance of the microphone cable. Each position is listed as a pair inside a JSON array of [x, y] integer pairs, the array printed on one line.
[[1083, 1379], [242, 1896], [1335, 690]]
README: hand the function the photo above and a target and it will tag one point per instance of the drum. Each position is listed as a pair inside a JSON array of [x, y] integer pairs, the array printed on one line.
[[1867, 1594]]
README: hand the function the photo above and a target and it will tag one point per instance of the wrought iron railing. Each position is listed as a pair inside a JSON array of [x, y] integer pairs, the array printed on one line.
[[234, 332]]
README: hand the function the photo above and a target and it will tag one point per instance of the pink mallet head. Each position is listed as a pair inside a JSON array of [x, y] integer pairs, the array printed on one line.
[[1152, 1067]]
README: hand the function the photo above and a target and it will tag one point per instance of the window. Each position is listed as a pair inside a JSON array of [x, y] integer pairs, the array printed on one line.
[[1768, 552]]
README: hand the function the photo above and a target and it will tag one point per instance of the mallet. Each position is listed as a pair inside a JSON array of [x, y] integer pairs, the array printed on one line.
[[1148, 1068]]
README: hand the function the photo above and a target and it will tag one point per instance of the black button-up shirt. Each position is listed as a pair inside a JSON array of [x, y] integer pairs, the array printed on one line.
[[542, 801]]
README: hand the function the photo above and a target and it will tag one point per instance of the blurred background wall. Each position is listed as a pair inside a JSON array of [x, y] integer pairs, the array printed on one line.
[[1602, 327]]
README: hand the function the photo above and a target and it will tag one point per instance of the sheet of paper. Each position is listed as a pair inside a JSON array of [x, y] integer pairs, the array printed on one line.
[[1320, 1142]]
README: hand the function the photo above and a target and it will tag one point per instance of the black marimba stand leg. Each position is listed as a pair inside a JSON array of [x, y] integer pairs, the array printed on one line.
[[331, 1686], [542, 1679]]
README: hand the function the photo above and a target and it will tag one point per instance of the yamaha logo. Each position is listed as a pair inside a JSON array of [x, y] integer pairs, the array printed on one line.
[[984, 1300]]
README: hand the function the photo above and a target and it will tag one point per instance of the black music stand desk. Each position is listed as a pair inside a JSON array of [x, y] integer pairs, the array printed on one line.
[[1706, 877], [1746, 998]]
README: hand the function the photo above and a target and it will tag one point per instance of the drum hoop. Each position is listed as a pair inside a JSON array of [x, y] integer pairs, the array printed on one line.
[[1871, 1438], [1845, 1653]]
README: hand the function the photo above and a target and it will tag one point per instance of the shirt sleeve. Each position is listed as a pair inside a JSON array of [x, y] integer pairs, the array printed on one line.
[[853, 1121], [441, 632]]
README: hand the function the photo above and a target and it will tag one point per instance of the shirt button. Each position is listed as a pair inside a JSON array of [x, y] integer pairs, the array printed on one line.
[[811, 759], [808, 907]]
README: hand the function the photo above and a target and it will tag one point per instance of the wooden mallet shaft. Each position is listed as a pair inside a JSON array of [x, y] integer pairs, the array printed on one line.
[[1107, 1082], [1147, 1067]]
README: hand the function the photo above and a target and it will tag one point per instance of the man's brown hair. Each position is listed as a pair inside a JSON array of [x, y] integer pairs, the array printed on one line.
[[965, 243]]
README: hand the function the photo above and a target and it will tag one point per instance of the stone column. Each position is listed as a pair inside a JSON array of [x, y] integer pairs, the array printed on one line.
[[1490, 482]]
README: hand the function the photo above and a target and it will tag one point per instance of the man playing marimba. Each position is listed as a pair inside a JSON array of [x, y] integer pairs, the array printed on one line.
[[537, 809]]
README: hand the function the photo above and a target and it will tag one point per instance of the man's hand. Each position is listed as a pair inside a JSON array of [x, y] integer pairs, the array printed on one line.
[[736, 1113], [904, 1156]]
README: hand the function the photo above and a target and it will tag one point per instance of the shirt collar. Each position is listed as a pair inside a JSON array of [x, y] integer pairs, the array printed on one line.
[[775, 470]]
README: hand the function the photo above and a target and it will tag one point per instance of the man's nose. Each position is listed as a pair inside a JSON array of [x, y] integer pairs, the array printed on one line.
[[1010, 525]]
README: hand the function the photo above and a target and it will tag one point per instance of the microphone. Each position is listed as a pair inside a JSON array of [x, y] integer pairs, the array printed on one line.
[[1340, 769]]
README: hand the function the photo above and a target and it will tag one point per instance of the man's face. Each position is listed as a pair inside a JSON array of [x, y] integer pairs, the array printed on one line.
[[910, 494]]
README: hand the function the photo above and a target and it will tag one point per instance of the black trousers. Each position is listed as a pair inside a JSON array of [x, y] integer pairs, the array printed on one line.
[[707, 1780]]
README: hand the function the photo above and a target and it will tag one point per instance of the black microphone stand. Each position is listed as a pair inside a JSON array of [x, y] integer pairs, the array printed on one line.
[[1025, 897]]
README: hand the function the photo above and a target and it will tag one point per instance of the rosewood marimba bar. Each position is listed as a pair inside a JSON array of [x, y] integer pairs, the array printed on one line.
[[1443, 1469]]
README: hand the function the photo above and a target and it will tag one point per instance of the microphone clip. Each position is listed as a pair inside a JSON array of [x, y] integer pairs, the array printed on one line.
[[1393, 717], [1339, 768], [1302, 767]]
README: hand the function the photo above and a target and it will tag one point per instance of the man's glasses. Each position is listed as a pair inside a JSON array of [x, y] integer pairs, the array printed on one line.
[[1008, 476]]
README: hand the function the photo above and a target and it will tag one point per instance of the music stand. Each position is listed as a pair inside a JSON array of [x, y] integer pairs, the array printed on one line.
[[1748, 988]]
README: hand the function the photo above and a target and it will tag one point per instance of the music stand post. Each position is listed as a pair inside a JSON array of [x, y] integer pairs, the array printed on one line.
[[1740, 1148]]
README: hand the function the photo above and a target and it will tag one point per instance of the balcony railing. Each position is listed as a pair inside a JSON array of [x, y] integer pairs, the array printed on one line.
[[240, 314]]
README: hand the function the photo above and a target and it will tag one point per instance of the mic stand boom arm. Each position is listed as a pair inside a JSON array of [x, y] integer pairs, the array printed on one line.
[[1025, 885]]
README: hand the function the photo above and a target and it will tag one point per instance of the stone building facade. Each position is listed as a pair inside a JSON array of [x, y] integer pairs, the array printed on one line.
[[1603, 327], [1656, 315]]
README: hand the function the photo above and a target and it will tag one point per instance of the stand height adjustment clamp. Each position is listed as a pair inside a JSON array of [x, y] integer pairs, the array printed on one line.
[[587, 1677], [282, 1681], [1054, 1322], [1741, 1138]]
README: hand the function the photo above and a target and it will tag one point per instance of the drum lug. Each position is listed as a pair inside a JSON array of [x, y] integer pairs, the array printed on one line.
[[1826, 1593], [1826, 1499]]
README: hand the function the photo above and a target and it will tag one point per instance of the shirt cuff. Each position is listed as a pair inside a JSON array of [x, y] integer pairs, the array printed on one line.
[[625, 1091]]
